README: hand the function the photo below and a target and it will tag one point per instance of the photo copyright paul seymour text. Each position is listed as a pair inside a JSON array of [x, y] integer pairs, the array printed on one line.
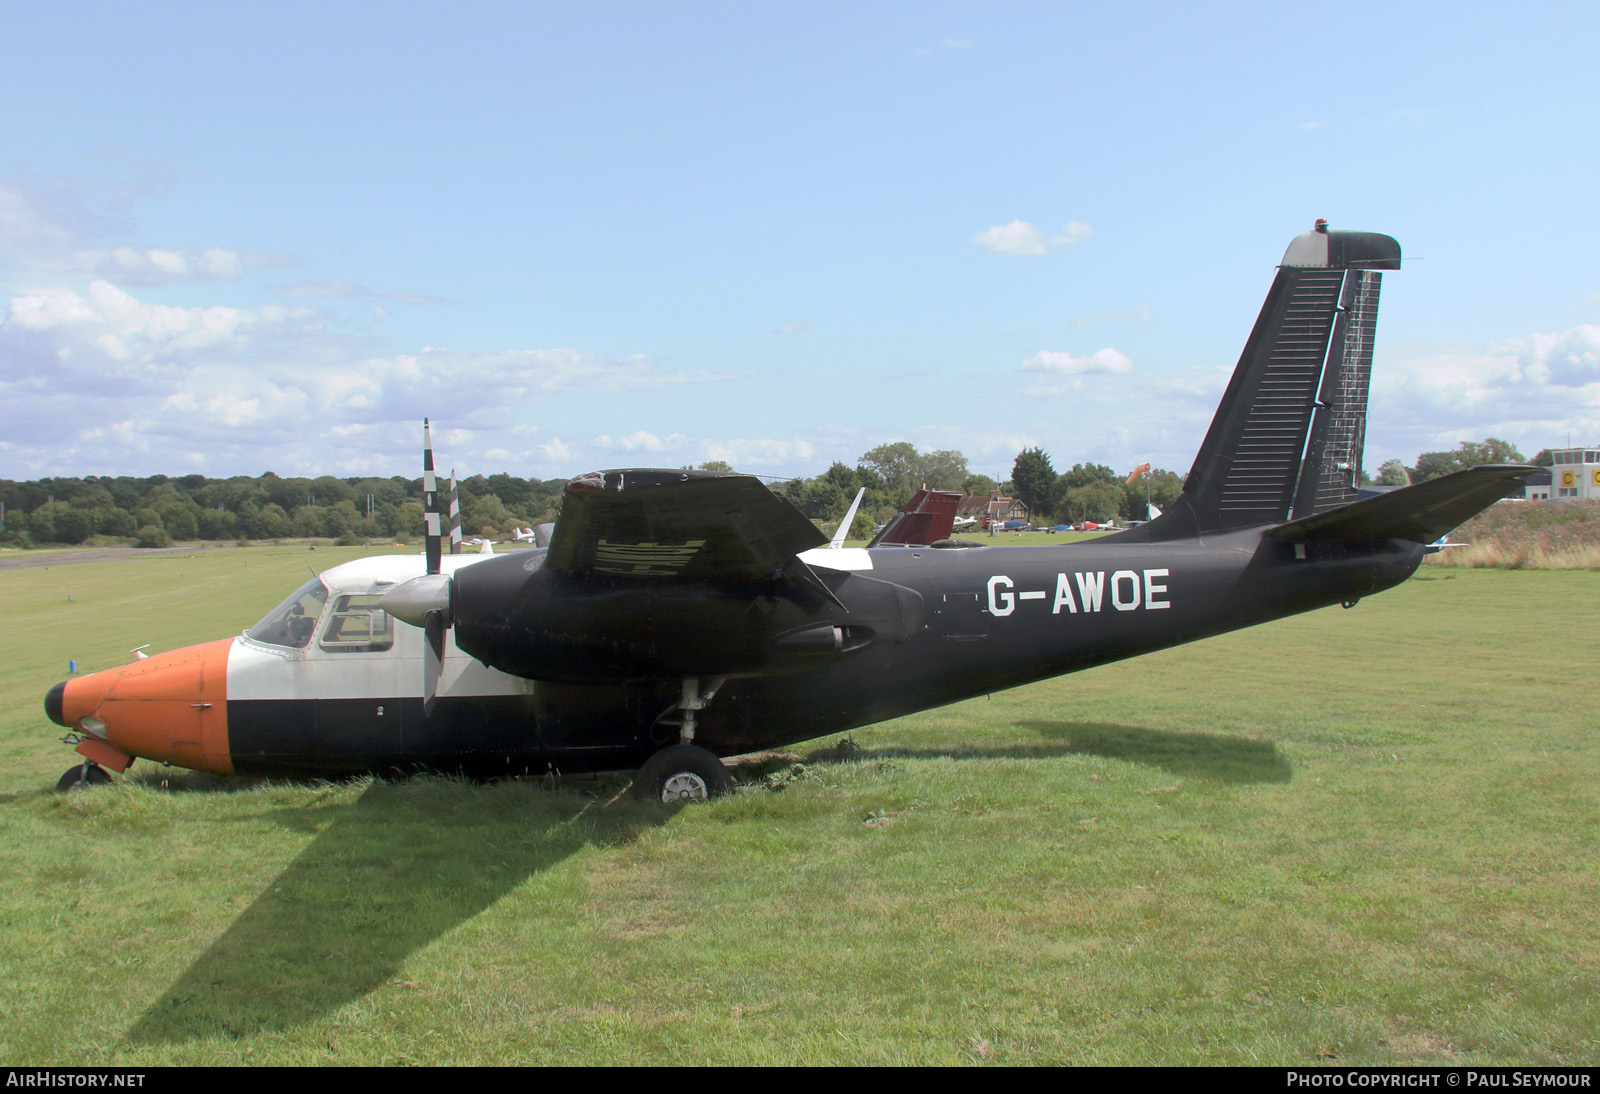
[[1435, 1079]]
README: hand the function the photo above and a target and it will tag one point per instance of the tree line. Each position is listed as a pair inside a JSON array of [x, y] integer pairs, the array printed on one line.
[[1431, 465], [158, 510], [155, 511], [1089, 491]]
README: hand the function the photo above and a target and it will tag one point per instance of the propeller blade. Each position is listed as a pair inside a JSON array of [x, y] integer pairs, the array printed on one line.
[[430, 500], [432, 659], [455, 516]]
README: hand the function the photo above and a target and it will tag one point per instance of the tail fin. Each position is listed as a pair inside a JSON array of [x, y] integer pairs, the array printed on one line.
[[1304, 372], [927, 517]]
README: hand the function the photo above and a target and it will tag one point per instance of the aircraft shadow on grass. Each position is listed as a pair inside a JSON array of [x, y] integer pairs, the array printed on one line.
[[393, 871], [405, 864], [1195, 755]]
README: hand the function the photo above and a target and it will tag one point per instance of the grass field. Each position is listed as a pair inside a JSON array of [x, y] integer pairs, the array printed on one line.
[[1354, 837]]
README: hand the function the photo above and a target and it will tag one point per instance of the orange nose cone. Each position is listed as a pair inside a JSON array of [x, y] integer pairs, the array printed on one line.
[[171, 707]]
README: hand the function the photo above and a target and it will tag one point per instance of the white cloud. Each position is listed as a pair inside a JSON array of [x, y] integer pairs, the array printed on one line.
[[163, 267], [1017, 238], [103, 379], [1531, 391], [1023, 239], [349, 290], [65, 226], [1412, 116], [945, 45], [1141, 314], [1060, 361], [798, 326]]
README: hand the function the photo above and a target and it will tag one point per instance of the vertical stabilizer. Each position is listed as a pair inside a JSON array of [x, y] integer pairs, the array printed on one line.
[[928, 517], [1302, 376]]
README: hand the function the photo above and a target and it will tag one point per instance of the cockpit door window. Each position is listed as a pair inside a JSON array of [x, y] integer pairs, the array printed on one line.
[[357, 625]]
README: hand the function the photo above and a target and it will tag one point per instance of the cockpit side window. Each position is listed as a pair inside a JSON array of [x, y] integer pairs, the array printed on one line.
[[357, 625], [292, 622]]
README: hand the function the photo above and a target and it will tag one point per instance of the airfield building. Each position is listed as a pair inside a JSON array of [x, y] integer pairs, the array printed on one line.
[[1574, 473]]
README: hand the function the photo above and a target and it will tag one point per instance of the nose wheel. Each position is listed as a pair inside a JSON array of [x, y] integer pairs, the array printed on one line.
[[85, 774], [682, 773]]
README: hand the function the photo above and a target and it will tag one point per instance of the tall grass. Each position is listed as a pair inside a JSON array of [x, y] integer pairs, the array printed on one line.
[[1524, 535]]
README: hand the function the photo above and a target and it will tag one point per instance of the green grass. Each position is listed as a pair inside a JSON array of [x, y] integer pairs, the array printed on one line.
[[1355, 837]]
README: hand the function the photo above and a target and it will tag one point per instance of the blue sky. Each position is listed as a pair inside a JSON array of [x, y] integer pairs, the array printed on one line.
[[238, 238]]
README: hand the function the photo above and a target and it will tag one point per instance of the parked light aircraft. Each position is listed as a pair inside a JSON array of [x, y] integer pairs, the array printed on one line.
[[676, 617]]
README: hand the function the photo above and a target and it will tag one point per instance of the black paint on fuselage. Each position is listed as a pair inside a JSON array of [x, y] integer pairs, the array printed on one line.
[[993, 618]]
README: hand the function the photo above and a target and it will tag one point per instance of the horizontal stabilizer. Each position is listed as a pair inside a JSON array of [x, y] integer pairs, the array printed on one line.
[[1420, 513]]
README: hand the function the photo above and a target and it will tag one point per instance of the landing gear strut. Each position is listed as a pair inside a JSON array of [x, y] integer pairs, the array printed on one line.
[[85, 774]]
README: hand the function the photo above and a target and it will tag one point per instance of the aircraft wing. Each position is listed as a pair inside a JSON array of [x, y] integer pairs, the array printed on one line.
[[1420, 513], [678, 525], [657, 574]]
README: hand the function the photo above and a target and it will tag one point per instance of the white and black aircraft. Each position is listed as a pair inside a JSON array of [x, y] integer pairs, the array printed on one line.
[[676, 617]]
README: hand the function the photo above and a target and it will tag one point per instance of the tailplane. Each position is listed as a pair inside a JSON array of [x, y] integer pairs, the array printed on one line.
[[1289, 433], [1420, 513]]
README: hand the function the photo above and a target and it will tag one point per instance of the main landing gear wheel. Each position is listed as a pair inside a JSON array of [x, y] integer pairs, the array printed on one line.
[[83, 775], [681, 773]]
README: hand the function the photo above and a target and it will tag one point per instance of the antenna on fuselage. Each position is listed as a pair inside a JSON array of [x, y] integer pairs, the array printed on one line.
[[843, 531]]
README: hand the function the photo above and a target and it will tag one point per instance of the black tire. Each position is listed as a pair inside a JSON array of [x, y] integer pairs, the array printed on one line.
[[83, 775], [681, 773]]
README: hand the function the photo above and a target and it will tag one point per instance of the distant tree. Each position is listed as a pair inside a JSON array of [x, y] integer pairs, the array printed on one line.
[[717, 465], [116, 521], [72, 524], [179, 520], [484, 516], [1543, 458], [153, 535], [1431, 465], [894, 464], [405, 519], [1156, 487], [217, 524], [944, 469], [903, 470], [1082, 474], [306, 521], [41, 524], [1034, 478], [1098, 501], [1393, 473], [978, 484]]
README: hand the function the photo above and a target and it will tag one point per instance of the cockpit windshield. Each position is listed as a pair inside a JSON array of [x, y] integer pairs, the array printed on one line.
[[291, 622]]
